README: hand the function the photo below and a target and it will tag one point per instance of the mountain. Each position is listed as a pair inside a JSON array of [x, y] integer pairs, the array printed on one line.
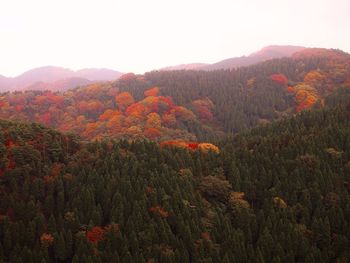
[[269, 52], [59, 85], [192, 66], [98, 74], [56, 77]]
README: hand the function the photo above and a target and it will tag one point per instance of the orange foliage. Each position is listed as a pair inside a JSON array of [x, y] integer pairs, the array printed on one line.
[[205, 236], [206, 147], [134, 130], [137, 110], [115, 122], [56, 169], [91, 129], [183, 114], [159, 210], [152, 133], [95, 235], [153, 120], [152, 92], [46, 240], [124, 99], [169, 119], [280, 79], [314, 77], [305, 96], [108, 114]]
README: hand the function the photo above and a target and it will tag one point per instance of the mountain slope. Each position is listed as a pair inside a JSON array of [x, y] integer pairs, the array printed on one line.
[[278, 193], [94, 74], [269, 52], [187, 105]]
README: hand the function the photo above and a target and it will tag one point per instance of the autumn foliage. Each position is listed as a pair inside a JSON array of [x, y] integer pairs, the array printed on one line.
[[99, 111], [46, 240], [204, 147], [280, 79], [152, 92], [159, 210], [95, 235]]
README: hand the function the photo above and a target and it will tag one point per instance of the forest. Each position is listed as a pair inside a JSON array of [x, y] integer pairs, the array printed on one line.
[[243, 165]]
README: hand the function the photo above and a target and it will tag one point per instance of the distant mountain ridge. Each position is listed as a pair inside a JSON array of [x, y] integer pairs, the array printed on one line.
[[192, 66], [266, 53], [56, 78]]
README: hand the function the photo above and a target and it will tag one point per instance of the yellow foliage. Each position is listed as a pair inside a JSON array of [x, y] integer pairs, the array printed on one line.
[[206, 147], [279, 202]]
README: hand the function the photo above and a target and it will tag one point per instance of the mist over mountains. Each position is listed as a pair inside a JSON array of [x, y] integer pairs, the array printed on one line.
[[56, 78]]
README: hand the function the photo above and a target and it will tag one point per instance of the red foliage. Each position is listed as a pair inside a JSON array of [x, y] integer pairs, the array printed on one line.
[[290, 89], [193, 145], [1, 172], [95, 235], [159, 210], [152, 133], [19, 108], [45, 118], [9, 143], [11, 164], [149, 190], [181, 144], [128, 76], [205, 236], [204, 113], [280, 79], [152, 92], [46, 240], [54, 99]]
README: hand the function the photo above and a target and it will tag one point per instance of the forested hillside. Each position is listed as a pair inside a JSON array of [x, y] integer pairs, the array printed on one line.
[[187, 105], [278, 193]]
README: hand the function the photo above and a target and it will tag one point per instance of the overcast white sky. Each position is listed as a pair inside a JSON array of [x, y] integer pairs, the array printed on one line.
[[141, 35]]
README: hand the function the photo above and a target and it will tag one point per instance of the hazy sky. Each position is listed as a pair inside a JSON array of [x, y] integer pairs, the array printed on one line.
[[142, 35]]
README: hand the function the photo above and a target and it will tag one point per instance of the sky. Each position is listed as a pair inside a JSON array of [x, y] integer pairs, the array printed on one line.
[[142, 35]]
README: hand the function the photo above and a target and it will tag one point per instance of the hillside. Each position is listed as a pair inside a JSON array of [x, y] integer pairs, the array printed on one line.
[[188, 105], [278, 193], [55, 77]]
